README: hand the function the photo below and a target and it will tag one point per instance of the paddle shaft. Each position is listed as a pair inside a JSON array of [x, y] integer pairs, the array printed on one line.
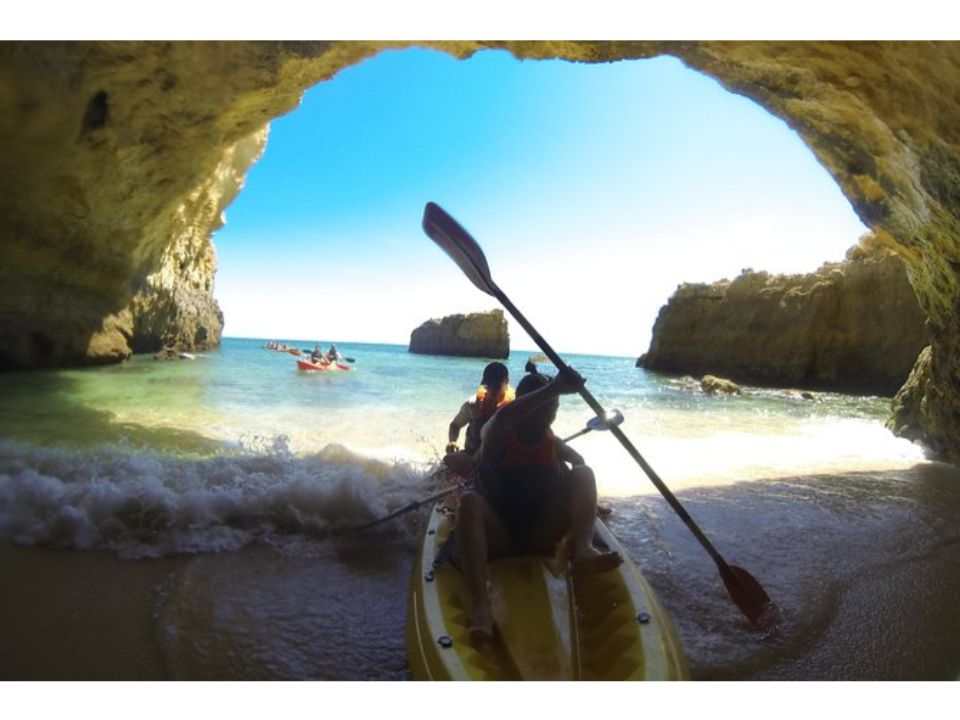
[[617, 432], [414, 505], [405, 509]]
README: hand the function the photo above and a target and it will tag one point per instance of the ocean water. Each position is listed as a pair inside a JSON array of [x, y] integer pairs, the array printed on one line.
[[207, 497], [241, 429]]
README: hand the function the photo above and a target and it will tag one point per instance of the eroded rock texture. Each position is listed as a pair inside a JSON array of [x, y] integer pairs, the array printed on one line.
[[107, 145], [853, 326], [118, 160], [474, 335]]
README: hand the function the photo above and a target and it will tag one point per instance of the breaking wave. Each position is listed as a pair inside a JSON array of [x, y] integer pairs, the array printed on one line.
[[147, 504]]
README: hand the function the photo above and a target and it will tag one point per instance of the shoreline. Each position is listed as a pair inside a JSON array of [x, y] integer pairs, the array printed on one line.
[[862, 565]]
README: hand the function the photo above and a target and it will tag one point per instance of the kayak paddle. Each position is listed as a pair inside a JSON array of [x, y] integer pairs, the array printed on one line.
[[595, 423], [744, 590], [611, 419]]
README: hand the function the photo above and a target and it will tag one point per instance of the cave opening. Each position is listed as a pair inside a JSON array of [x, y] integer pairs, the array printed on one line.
[[590, 186]]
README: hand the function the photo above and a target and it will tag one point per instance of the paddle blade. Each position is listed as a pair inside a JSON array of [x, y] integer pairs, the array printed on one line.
[[748, 595], [459, 245], [613, 418]]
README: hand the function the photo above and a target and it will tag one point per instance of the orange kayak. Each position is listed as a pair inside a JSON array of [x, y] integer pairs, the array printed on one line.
[[307, 365]]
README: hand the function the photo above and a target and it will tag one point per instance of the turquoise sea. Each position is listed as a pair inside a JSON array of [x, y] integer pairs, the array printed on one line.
[[193, 501]]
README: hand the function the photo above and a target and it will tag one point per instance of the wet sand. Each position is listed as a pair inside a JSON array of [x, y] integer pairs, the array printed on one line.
[[70, 615], [865, 568]]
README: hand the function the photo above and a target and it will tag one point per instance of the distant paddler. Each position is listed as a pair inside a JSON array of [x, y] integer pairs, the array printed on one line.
[[318, 357]]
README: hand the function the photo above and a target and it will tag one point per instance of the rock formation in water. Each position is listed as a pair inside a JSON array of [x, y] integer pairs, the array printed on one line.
[[851, 326], [711, 385], [114, 151], [475, 335]]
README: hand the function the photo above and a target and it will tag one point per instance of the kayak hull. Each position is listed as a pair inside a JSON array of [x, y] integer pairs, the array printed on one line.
[[331, 367], [619, 632]]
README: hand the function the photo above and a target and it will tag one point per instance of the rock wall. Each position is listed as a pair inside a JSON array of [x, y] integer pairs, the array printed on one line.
[[853, 326], [475, 335], [105, 144], [118, 161]]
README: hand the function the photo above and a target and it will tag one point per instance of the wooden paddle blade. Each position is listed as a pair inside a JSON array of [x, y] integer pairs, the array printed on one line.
[[459, 245], [748, 595]]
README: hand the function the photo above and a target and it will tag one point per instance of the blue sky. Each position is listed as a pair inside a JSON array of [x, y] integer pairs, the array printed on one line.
[[594, 190]]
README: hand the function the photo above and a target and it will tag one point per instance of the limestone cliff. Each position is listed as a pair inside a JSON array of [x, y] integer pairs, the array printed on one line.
[[474, 335], [175, 306], [853, 326], [119, 159], [107, 143]]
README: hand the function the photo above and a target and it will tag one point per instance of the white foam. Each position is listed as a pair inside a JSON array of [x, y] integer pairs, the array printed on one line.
[[806, 447], [147, 504]]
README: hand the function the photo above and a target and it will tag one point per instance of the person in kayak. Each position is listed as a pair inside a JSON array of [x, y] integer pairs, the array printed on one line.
[[494, 392], [533, 494]]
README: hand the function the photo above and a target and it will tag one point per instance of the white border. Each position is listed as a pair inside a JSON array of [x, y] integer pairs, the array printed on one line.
[[478, 19]]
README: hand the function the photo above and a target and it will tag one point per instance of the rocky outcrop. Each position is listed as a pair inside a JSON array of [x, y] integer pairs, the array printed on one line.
[[911, 407], [711, 385], [474, 335], [852, 326], [108, 146]]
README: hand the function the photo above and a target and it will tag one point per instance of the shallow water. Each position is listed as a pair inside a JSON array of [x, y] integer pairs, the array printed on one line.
[[203, 494]]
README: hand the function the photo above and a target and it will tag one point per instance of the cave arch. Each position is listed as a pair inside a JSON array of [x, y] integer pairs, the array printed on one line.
[[97, 226]]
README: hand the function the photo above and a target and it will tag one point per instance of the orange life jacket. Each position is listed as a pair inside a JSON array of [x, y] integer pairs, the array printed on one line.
[[486, 408], [486, 405]]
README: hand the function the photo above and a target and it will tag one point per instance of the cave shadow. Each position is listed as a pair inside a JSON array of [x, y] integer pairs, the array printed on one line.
[[39, 407]]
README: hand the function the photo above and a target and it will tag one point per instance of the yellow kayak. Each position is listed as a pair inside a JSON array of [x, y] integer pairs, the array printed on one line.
[[606, 626]]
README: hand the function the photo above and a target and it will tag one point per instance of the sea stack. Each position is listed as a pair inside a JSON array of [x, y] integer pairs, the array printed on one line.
[[482, 334]]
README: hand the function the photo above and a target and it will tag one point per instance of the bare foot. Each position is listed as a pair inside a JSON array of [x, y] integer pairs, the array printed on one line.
[[480, 636], [594, 561], [481, 628]]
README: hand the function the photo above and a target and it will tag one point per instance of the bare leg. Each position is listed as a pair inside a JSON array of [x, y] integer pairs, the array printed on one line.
[[583, 509], [479, 532]]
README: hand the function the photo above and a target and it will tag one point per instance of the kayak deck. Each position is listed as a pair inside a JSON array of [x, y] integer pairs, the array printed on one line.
[[605, 626]]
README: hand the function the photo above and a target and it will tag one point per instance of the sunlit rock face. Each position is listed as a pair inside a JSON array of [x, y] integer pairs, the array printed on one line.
[[109, 151], [118, 161], [473, 335], [852, 326]]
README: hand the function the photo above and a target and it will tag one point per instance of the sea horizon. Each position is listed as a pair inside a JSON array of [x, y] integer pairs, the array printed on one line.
[[406, 345]]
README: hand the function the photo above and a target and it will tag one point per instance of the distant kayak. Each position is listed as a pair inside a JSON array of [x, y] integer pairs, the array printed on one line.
[[307, 365], [294, 351]]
